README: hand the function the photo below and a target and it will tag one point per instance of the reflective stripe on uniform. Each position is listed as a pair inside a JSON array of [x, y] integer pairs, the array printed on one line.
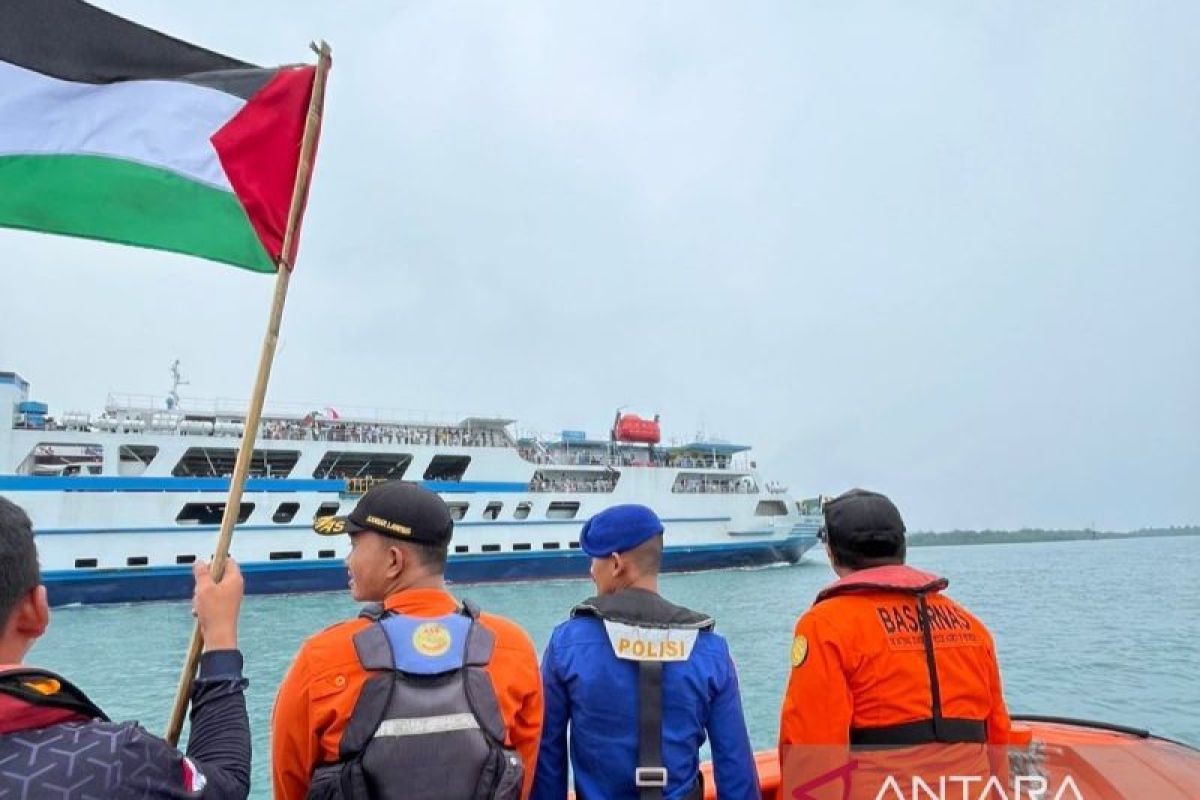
[[420, 726]]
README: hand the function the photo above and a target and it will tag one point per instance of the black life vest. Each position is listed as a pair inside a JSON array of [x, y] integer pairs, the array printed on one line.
[[427, 725], [936, 728], [33, 698], [645, 628]]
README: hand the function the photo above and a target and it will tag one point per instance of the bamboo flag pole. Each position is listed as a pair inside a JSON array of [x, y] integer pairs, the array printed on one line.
[[283, 274]]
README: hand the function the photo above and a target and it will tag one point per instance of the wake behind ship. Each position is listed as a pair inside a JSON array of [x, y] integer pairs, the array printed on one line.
[[123, 502]]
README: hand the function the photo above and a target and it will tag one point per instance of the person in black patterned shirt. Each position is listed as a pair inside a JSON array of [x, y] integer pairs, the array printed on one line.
[[55, 743]]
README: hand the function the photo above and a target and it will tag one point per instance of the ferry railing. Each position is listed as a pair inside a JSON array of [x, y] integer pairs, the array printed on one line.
[[362, 485], [715, 487], [566, 487], [551, 458], [235, 408]]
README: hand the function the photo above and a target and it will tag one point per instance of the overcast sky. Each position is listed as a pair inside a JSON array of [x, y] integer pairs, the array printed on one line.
[[949, 251]]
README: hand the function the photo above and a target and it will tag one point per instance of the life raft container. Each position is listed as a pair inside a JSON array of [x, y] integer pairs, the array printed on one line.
[[632, 428]]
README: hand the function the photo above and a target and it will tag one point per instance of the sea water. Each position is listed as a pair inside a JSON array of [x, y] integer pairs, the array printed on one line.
[[1105, 630]]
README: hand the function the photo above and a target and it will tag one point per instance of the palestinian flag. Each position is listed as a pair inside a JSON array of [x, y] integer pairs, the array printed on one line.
[[109, 130]]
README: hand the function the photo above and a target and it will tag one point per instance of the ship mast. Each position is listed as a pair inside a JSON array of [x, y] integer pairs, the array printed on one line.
[[176, 381]]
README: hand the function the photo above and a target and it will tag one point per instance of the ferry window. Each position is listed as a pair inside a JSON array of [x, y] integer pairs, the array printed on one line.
[[573, 545], [210, 513], [347, 465], [285, 513], [550, 545], [447, 468], [523, 509], [85, 563], [54, 459], [491, 548], [562, 510], [461, 548], [457, 510], [770, 508], [492, 511], [326, 554], [189, 559], [136, 561], [135, 458], [327, 509], [217, 462], [286, 555], [522, 546]]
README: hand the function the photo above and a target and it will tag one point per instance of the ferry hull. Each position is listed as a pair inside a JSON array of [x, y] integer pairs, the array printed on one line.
[[175, 583]]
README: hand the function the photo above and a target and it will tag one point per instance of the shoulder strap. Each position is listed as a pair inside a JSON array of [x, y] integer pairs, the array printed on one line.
[[377, 611], [650, 777], [373, 612], [469, 609], [481, 694]]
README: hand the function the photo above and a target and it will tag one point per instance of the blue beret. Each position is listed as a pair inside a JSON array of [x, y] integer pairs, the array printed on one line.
[[617, 529]]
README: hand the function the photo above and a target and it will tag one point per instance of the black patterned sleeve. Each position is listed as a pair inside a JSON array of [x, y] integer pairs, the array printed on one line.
[[217, 764], [219, 744]]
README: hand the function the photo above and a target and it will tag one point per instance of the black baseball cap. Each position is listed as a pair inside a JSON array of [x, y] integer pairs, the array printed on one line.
[[399, 509], [865, 523]]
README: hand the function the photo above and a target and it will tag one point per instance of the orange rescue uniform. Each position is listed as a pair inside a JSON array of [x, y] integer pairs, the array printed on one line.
[[320, 690], [861, 674]]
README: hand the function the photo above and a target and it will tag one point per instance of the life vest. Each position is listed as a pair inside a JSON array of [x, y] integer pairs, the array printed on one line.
[[644, 628], [32, 698], [427, 725], [936, 728]]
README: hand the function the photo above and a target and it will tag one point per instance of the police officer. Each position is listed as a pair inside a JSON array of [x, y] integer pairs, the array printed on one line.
[[640, 682], [420, 697], [55, 742], [883, 658]]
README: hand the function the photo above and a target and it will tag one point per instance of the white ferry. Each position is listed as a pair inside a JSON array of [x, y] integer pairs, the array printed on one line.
[[123, 502]]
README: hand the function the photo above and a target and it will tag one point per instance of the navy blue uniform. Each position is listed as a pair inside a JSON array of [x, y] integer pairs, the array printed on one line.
[[596, 693]]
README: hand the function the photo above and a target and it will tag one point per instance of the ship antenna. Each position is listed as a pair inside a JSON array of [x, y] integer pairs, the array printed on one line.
[[176, 381]]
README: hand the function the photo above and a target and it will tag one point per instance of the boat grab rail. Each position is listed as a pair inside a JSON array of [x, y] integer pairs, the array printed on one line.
[[1141, 733]]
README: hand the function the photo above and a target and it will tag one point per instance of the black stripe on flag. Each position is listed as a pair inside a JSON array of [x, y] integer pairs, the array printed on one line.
[[74, 41]]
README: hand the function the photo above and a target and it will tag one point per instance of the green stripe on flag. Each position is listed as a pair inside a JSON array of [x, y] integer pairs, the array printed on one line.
[[130, 203]]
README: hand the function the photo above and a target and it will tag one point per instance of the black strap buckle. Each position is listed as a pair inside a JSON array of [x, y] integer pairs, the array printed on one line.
[[650, 777]]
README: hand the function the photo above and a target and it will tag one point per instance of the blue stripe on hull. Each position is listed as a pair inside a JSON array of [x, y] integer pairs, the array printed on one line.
[[175, 583]]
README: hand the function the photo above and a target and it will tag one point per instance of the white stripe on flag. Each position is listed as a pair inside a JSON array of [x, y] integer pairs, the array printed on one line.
[[164, 124]]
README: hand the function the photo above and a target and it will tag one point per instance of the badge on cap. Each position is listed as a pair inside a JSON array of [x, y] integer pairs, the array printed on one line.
[[799, 650], [329, 525], [431, 639]]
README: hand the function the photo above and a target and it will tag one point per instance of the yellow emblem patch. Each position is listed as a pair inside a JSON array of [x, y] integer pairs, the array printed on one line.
[[799, 650], [431, 639], [44, 686], [329, 525]]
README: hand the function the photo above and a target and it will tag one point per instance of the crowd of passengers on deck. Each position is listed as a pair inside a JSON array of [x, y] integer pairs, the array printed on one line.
[[699, 486], [541, 483], [375, 433], [624, 458]]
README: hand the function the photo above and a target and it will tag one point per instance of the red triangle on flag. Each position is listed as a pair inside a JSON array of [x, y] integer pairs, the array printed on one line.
[[259, 149]]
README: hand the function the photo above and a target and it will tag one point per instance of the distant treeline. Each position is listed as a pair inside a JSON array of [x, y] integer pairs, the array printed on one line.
[[1039, 535]]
